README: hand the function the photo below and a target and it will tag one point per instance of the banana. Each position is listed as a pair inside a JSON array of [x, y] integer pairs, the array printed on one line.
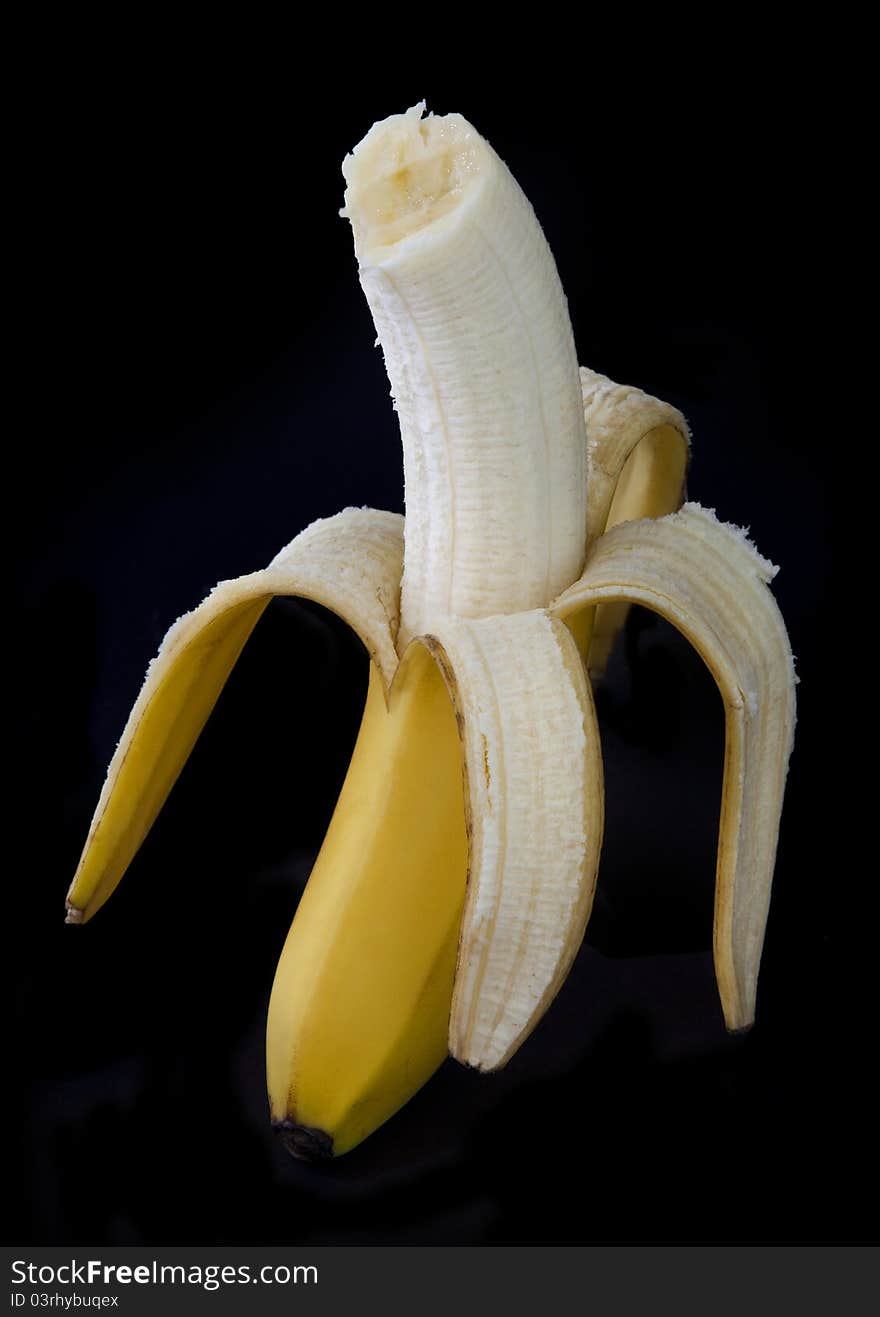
[[457, 876]]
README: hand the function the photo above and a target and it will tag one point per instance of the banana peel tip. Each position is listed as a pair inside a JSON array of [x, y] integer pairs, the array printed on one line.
[[304, 1142]]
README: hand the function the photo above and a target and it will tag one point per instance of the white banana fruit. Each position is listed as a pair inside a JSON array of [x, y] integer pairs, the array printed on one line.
[[479, 350], [456, 880]]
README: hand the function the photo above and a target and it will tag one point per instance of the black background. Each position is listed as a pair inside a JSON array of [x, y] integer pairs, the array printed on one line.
[[204, 385]]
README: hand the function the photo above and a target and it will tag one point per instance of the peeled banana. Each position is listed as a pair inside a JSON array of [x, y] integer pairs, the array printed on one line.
[[455, 883]]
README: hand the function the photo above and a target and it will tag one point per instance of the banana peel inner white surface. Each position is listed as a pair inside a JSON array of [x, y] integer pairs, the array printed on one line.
[[710, 582], [534, 790]]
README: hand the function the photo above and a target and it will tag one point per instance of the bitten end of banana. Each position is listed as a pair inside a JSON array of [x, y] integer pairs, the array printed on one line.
[[408, 173]]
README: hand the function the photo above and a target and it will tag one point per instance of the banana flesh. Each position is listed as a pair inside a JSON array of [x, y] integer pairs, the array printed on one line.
[[479, 350], [457, 876]]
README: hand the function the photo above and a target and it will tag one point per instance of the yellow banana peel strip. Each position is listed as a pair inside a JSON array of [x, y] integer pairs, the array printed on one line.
[[638, 451], [709, 581], [351, 563]]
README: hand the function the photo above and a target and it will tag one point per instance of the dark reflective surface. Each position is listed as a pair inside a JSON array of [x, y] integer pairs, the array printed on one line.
[[204, 391]]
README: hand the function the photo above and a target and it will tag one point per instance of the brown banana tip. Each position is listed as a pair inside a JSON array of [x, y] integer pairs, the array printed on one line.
[[304, 1142], [74, 915], [742, 1030]]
